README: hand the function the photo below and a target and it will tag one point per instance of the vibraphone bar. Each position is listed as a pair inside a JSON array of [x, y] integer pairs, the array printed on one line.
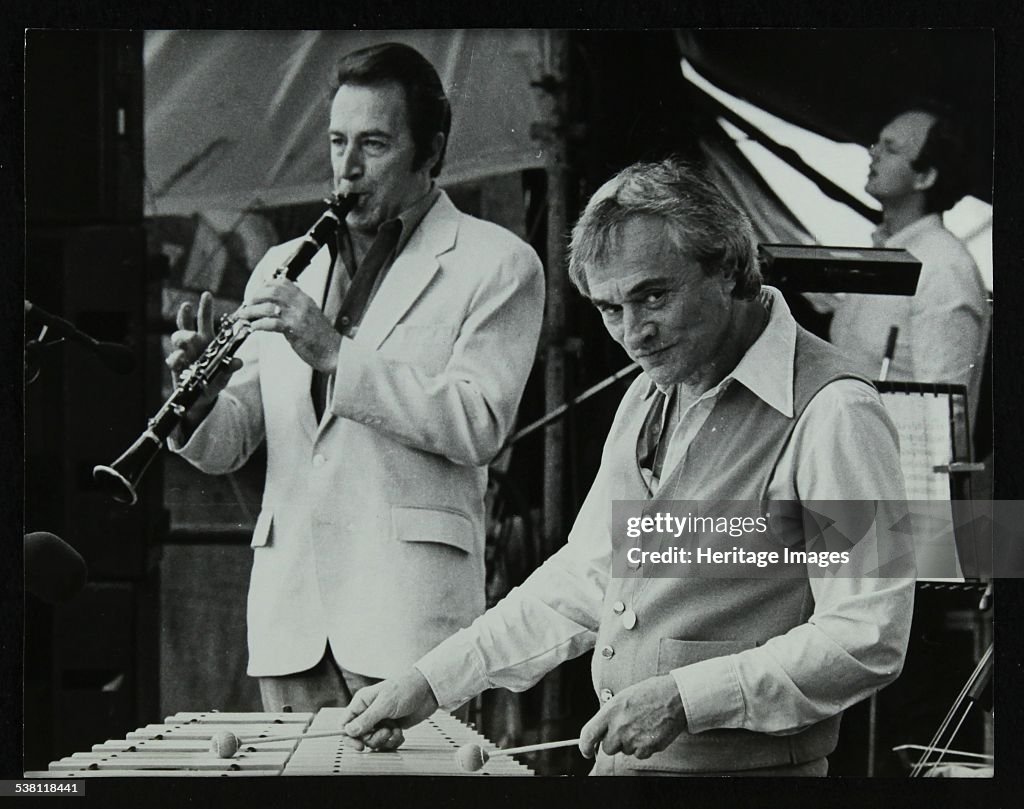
[[429, 749], [181, 747]]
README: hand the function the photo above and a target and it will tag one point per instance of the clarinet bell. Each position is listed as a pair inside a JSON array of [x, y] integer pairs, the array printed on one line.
[[121, 478]]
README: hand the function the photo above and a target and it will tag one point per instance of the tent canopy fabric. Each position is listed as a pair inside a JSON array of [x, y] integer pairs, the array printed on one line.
[[238, 119], [846, 84]]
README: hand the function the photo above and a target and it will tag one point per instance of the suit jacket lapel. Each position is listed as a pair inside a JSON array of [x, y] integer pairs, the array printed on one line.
[[408, 277], [412, 271]]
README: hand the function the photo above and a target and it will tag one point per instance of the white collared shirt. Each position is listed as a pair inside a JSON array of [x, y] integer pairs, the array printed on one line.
[[942, 329], [763, 369]]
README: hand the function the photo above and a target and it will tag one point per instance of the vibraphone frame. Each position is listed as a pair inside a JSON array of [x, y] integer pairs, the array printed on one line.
[[180, 746]]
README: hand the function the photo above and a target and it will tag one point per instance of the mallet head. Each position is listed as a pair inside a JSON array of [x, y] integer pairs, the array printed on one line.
[[224, 744], [471, 757]]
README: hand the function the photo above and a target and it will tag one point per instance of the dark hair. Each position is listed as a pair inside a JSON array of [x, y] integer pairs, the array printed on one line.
[[699, 221], [425, 99], [945, 149]]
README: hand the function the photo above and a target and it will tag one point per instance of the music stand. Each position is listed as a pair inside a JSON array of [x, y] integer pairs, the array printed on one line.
[[933, 424]]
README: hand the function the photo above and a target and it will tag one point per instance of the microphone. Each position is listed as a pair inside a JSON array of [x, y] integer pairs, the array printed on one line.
[[54, 571], [115, 356]]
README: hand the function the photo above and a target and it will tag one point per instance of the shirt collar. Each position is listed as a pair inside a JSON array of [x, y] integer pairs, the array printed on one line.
[[766, 369], [410, 218], [405, 224], [903, 237]]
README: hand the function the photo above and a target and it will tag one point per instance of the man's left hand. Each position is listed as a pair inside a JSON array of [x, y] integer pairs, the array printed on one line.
[[282, 307], [640, 720]]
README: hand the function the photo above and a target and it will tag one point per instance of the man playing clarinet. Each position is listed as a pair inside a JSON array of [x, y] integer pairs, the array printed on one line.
[[383, 381]]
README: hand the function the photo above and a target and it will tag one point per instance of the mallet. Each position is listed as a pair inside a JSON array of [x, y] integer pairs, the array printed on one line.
[[224, 744], [471, 757]]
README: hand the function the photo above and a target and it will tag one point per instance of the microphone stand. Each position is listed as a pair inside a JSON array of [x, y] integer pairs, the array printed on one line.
[[114, 356], [33, 354], [969, 695], [932, 754]]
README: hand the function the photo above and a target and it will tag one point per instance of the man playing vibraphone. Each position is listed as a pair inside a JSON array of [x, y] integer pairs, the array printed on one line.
[[720, 675]]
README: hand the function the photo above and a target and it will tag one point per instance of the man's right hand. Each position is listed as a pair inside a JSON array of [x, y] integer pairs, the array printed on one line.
[[376, 710], [194, 334]]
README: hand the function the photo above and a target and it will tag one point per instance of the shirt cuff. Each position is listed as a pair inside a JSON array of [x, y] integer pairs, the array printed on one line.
[[174, 439], [711, 694], [174, 443], [454, 670]]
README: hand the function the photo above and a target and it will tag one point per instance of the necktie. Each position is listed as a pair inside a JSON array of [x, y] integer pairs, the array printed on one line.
[[348, 298], [654, 437]]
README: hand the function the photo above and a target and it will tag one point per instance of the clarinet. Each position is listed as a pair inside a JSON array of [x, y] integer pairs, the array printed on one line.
[[122, 477]]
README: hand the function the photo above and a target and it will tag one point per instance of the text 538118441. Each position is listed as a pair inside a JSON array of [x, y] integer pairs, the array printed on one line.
[[42, 787]]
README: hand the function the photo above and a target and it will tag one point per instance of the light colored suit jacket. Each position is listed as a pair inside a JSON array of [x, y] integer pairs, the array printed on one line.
[[371, 533]]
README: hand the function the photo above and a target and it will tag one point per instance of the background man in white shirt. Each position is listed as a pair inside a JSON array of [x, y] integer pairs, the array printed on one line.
[[918, 170]]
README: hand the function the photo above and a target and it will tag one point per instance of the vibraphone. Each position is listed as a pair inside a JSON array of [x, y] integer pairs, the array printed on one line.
[[181, 747]]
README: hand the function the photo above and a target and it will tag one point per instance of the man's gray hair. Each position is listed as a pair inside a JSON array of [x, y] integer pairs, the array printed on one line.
[[699, 221]]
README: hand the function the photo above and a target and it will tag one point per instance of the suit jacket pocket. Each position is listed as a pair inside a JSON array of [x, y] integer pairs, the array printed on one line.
[[429, 347], [261, 534], [420, 524], [674, 654]]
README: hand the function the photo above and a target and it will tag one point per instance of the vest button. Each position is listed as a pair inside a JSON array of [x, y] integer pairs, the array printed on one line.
[[319, 460], [346, 321], [618, 607], [629, 619], [606, 695], [607, 652]]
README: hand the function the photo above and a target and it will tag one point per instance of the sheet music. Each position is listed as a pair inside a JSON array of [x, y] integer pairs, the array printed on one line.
[[923, 424]]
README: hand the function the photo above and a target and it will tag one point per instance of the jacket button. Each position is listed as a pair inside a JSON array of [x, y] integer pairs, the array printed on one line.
[[629, 619], [346, 321], [606, 694], [607, 652], [618, 607], [319, 460]]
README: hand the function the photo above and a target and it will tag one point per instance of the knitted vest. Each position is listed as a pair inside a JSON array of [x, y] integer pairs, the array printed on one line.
[[679, 621]]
